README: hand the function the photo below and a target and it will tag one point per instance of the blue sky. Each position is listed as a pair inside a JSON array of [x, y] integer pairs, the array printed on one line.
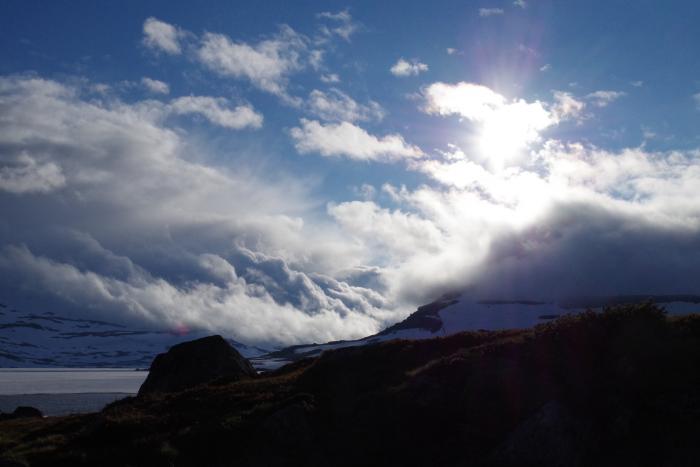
[[328, 166]]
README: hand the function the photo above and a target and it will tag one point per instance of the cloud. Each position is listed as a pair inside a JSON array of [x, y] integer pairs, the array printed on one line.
[[161, 36], [267, 64], [139, 222], [472, 101], [346, 139], [155, 86], [345, 27], [648, 133], [580, 221], [520, 3], [217, 111], [316, 59], [335, 105], [110, 213], [451, 51], [637, 84], [503, 127], [342, 16], [397, 234], [24, 174], [366, 191], [696, 98], [330, 78], [567, 106], [603, 98], [486, 12], [403, 68], [546, 67], [482, 105], [258, 316]]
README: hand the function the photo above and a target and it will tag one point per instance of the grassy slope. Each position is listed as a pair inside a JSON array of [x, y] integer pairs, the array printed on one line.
[[617, 388]]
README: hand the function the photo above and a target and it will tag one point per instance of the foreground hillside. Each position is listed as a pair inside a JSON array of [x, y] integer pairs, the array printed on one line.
[[620, 387]]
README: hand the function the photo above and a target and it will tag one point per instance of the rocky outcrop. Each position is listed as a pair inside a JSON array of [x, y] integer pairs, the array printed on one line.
[[194, 363]]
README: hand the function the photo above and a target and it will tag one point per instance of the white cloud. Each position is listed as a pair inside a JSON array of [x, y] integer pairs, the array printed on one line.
[[451, 51], [267, 64], [648, 133], [520, 3], [330, 78], [505, 127], [25, 174], [366, 191], [237, 307], [567, 106], [218, 112], [472, 101], [546, 67], [579, 220], [335, 105], [397, 233], [346, 139], [486, 12], [316, 58], [145, 225], [155, 86], [405, 68], [161, 36], [101, 88], [345, 27], [603, 98], [220, 249], [696, 98], [342, 16], [637, 84]]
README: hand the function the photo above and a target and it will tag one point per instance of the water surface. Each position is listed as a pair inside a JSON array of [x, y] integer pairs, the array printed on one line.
[[60, 391]]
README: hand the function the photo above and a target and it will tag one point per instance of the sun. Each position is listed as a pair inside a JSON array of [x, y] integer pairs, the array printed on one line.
[[507, 131]]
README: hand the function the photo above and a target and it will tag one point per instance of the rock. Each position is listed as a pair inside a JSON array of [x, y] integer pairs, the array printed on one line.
[[22, 412], [196, 362]]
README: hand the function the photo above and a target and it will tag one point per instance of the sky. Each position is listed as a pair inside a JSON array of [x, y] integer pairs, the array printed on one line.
[[294, 172]]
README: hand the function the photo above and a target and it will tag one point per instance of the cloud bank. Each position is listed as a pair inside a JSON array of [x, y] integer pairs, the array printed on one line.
[[110, 212], [112, 208]]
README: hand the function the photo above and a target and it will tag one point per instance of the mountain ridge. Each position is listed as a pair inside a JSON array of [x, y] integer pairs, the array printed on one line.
[[31, 339]]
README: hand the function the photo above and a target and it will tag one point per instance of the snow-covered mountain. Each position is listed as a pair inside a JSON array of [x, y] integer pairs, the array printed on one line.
[[457, 313], [50, 340]]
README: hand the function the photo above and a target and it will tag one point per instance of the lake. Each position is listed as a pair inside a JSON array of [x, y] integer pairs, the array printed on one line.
[[61, 391]]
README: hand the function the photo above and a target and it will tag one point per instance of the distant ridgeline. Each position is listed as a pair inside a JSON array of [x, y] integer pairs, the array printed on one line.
[[50, 340], [458, 312]]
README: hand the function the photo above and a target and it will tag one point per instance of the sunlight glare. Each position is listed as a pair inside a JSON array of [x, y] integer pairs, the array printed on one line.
[[509, 129]]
